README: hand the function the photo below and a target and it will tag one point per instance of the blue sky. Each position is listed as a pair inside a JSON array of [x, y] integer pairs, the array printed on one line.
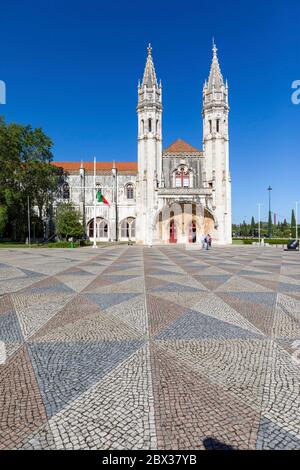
[[72, 68]]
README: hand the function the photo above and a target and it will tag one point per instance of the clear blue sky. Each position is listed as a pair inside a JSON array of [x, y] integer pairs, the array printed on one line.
[[72, 68]]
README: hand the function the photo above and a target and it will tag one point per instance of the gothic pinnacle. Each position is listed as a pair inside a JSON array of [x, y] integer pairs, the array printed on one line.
[[149, 78]]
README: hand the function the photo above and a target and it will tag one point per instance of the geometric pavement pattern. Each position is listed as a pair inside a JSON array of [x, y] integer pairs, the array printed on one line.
[[150, 348]]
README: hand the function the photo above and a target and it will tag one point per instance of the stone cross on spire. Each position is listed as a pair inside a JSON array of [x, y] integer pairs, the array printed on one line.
[[215, 80], [149, 78]]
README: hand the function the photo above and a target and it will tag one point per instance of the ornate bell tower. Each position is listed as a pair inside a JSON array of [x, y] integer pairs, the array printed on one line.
[[149, 111], [216, 148]]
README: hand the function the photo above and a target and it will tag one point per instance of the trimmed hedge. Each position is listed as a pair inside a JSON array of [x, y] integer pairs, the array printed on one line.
[[62, 245], [270, 241]]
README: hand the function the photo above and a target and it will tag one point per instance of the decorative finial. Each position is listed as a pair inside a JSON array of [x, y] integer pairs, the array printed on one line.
[[214, 47], [149, 49]]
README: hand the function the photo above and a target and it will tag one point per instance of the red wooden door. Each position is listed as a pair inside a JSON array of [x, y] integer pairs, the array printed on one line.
[[192, 232], [173, 238]]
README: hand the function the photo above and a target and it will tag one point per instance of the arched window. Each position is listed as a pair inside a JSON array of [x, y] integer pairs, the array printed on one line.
[[182, 178], [91, 229], [66, 191], [101, 228], [142, 126], [157, 125], [129, 191], [127, 229], [132, 227], [150, 125]]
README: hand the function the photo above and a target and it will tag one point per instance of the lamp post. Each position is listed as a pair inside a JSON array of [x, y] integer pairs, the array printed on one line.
[[270, 216], [296, 221], [28, 216]]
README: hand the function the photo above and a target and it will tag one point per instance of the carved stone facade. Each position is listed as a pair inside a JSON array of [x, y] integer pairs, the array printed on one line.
[[171, 196]]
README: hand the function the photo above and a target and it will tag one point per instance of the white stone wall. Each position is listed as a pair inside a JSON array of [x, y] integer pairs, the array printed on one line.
[[80, 186]]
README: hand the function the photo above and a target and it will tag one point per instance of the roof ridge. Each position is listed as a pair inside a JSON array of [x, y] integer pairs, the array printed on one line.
[[180, 145], [89, 165]]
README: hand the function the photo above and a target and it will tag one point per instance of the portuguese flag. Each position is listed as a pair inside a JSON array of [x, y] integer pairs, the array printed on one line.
[[101, 198]]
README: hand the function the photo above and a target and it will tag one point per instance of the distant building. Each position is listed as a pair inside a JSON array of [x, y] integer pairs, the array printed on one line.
[[173, 195]]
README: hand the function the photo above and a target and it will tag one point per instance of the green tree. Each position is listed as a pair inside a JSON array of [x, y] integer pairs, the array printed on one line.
[[293, 225], [3, 219], [252, 227], [26, 170], [68, 221], [244, 229]]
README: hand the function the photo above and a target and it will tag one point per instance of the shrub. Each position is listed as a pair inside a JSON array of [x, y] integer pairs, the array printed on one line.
[[270, 241], [61, 245]]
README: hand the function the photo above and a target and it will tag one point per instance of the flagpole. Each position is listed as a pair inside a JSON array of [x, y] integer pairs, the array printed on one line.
[[95, 197], [28, 216]]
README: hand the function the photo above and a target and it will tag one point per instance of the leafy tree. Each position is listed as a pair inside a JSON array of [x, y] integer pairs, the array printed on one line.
[[252, 227], [68, 222], [3, 219], [26, 170]]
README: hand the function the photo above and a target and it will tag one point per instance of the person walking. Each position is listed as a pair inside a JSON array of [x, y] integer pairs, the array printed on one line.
[[209, 240], [203, 240]]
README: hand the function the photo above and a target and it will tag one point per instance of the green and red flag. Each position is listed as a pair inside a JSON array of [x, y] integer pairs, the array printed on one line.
[[101, 198]]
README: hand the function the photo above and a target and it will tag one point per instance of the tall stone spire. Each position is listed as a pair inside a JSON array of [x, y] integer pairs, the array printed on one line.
[[149, 78], [149, 111], [215, 81], [215, 91], [216, 148]]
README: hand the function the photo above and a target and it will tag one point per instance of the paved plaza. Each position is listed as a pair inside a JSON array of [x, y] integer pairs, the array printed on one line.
[[150, 348]]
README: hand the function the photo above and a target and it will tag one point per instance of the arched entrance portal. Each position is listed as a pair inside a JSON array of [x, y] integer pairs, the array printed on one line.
[[183, 223], [192, 232], [173, 232]]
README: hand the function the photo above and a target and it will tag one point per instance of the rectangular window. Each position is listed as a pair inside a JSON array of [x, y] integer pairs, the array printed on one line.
[[186, 182], [218, 125]]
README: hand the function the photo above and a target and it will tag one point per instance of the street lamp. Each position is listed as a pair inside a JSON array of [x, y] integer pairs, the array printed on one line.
[[28, 217], [270, 215], [296, 221]]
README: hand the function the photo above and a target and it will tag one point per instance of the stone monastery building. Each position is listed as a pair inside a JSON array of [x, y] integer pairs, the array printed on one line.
[[173, 195]]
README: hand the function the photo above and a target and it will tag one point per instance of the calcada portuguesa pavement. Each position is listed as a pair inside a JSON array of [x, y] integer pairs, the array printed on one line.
[[150, 348]]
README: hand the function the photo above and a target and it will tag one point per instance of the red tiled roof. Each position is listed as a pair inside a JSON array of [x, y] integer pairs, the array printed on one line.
[[180, 146], [89, 166]]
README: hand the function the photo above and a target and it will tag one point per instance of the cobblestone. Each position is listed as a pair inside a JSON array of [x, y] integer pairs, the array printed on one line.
[[150, 348]]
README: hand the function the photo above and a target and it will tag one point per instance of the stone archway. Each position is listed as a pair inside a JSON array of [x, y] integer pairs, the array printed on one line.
[[183, 223], [127, 229], [102, 229]]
